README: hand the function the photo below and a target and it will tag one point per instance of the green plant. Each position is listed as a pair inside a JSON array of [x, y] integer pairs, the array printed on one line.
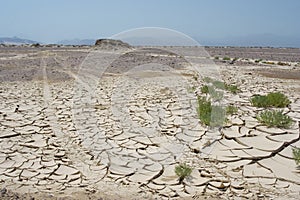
[[274, 119], [269, 63], [257, 61], [232, 88], [204, 110], [183, 171], [260, 101], [204, 89], [210, 115], [226, 58], [195, 77], [274, 99], [217, 58], [230, 110], [296, 155], [283, 64]]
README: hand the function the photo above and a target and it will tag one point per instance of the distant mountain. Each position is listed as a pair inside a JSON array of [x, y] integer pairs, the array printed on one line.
[[16, 41], [77, 42]]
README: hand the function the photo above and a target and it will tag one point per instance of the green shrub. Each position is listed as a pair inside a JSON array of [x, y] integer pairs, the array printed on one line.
[[257, 61], [296, 155], [278, 100], [260, 101], [210, 115], [183, 171], [232, 88], [226, 58], [230, 110], [274, 119], [275, 99], [204, 110], [269, 63], [283, 64], [217, 58], [204, 89]]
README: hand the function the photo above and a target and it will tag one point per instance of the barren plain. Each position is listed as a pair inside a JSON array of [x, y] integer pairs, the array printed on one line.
[[80, 122]]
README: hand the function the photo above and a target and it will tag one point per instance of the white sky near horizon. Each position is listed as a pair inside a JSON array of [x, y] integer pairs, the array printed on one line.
[[50, 21]]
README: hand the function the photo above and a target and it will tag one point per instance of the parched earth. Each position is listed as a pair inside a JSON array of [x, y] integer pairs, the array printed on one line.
[[78, 123]]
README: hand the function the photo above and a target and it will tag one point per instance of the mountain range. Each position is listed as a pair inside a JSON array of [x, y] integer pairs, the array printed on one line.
[[16, 41]]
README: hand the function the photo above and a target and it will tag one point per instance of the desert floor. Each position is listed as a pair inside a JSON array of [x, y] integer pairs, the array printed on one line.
[[88, 123]]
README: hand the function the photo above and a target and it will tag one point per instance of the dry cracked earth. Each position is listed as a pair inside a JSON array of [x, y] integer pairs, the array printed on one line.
[[86, 123]]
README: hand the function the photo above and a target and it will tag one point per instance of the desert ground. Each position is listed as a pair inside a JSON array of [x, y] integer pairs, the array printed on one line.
[[103, 122]]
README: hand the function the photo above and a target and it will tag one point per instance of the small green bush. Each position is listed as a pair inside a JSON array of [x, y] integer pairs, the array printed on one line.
[[283, 64], [204, 89], [209, 114], [183, 171], [232, 88], [230, 110], [296, 155], [204, 110], [269, 63], [278, 100], [275, 99], [226, 58], [257, 61], [274, 119]]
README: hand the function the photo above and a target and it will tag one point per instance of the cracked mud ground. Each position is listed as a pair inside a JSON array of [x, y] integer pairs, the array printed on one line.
[[124, 140]]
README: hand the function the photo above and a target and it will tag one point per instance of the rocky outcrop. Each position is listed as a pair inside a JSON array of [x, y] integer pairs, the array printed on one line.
[[110, 44]]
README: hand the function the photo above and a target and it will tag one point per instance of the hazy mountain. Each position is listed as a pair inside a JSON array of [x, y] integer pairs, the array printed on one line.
[[16, 41], [77, 42]]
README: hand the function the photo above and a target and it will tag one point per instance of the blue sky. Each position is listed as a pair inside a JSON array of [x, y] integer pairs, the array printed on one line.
[[209, 20]]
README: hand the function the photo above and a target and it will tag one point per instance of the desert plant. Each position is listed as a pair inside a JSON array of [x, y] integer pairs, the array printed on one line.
[[226, 58], [283, 64], [274, 99], [278, 100], [296, 155], [232, 88], [230, 110], [217, 58], [269, 63], [210, 115], [204, 89], [257, 61], [260, 101], [204, 110], [183, 171], [274, 119]]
